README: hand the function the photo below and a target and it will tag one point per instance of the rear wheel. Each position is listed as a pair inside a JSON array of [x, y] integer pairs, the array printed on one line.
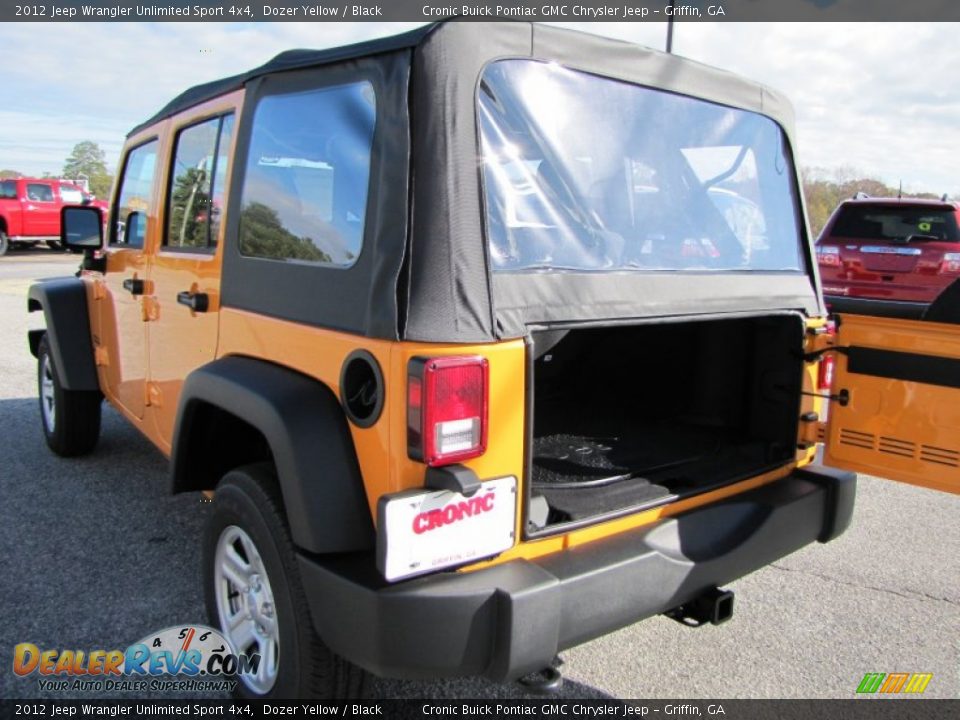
[[70, 418], [255, 596], [4, 243]]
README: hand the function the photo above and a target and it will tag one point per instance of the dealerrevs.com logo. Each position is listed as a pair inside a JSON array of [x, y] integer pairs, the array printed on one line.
[[180, 658]]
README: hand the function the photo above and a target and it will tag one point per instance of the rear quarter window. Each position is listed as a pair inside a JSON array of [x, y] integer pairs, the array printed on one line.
[[304, 195]]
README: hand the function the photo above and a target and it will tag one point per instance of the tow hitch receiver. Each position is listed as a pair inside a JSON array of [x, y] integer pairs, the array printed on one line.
[[714, 606]]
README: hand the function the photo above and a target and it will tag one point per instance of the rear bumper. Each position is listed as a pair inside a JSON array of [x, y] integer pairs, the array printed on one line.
[[909, 310], [511, 619]]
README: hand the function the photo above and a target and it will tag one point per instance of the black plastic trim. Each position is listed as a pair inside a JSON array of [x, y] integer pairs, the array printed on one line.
[[454, 478], [511, 619], [912, 367], [380, 390], [311, 445], [64, 305], [879, 308], [841, 487]]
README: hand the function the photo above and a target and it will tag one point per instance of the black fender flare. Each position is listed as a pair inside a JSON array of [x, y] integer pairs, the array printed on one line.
[[304, 425], [64, 305]]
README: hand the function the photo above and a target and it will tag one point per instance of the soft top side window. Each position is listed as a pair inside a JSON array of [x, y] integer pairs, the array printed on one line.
[[307, 176], [134, 202]]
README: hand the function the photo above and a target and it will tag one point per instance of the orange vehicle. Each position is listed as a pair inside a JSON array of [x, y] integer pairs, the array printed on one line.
[[462, 329]]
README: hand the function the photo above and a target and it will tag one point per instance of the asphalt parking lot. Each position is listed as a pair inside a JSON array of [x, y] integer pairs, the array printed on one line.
[[95, 554]]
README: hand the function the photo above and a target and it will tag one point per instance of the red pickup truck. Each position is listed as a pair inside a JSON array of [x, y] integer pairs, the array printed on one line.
[[30, 210]]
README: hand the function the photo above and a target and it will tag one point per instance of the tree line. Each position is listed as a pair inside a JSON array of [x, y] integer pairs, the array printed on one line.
[[823, 190], [86, 160]]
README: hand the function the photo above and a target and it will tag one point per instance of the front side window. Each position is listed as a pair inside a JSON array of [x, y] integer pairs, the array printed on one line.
[[307, 175], [585, 173], [39, 192], [134, 203], [195, 196], [8, 189]]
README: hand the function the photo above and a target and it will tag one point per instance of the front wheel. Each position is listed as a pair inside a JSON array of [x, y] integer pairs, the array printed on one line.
[[255, 597], [4, 243], [70, 418]]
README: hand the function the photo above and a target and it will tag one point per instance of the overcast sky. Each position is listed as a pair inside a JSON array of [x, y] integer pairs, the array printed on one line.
[[880, 98]]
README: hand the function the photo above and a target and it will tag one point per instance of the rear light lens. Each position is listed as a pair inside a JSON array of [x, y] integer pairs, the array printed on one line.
[[447, 409], [827, 364], [825, 372], [828, 255], [950, 264]]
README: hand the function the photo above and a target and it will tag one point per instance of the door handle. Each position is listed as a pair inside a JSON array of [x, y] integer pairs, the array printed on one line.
[[134, 286], [198, 302]]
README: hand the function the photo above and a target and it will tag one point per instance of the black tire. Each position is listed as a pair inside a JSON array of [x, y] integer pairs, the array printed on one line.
[[54, 245], [4, 243], [70, 418], [248, 499]]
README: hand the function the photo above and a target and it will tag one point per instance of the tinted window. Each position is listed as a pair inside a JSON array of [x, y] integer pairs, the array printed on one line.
[[39, 192], [195, 199], [308, 169], [8, 189], [583, 172], [865, 222], [133, 204]]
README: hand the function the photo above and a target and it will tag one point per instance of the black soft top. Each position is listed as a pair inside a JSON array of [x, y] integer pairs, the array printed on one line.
[[423, 273]]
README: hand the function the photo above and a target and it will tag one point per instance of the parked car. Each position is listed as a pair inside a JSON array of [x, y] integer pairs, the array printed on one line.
[[30, 210], [464, 395], [889, 256]]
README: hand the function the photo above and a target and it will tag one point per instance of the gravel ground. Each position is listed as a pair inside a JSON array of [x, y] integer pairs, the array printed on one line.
[[97, 555]]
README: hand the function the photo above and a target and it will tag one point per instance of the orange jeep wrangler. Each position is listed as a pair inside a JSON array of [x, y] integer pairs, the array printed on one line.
[[489, 339]]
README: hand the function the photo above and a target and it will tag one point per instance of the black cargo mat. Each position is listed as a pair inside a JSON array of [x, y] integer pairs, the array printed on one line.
[[582, 476]]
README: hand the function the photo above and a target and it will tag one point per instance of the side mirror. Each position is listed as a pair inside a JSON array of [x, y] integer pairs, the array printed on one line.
[[81, 228]]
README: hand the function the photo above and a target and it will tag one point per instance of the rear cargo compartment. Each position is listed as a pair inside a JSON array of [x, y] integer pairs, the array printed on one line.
[[638, 416]]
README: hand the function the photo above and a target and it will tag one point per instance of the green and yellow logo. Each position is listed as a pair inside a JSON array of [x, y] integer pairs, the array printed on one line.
[[894, 683]]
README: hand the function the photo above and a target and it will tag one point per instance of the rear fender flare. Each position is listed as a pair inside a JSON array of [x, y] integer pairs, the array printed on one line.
[[304, 425]]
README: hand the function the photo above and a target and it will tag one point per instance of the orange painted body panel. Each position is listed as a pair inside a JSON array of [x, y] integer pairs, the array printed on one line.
[[182, 340], [382, 448], [898, 429], [123, 373], [143, 379]]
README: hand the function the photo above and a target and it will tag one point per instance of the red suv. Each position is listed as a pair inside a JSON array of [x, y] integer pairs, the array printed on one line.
[[900, 254]]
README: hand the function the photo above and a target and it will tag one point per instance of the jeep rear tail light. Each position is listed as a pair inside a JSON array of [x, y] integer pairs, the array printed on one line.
[[950, 264], [447, 409], [825, 372], [827, 364], [828, 255]]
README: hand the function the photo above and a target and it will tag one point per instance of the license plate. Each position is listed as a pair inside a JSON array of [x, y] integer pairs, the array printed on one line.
[[885, 250], [422, 531]]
